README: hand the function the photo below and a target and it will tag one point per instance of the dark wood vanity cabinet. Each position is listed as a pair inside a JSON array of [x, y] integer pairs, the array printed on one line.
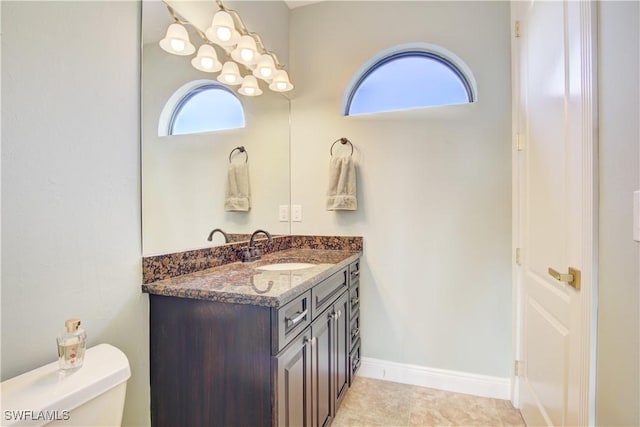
[[222, 364], [210, 363], [313, 370]]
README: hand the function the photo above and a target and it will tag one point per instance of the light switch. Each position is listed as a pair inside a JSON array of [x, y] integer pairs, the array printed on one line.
[[296, 213], [636, 216], [283, 213]]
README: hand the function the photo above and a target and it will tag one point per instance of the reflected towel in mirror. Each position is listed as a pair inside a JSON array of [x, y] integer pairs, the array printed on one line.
[[341, 194], [237, 194]]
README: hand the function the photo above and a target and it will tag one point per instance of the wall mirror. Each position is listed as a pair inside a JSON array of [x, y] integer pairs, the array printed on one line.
[[184, 176]]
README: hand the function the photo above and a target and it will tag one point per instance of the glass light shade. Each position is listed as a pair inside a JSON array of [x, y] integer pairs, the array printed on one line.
[[222, 30], [206, 60], [177, 41], [246, 52], [266, 68], [230, 75], [280, 82], [250, 87]]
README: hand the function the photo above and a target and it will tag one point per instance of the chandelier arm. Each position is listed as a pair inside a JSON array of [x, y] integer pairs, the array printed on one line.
[[180, 20], [264, 50], [245, 31], [236, 16]]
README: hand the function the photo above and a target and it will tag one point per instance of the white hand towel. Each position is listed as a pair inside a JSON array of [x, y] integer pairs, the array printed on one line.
[[237, 194], [341, 194]]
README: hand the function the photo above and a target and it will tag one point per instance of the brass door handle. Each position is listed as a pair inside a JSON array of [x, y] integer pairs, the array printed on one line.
[[572, 279]]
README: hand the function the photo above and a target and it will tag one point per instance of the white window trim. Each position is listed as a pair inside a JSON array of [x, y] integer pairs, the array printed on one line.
[[164, 122]]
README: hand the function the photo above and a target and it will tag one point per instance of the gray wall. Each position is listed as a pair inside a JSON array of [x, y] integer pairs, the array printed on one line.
[[618, 374], [71, 243], [434, 196]]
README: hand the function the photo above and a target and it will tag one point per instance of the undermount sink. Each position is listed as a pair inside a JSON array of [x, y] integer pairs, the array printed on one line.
[[285, 266]]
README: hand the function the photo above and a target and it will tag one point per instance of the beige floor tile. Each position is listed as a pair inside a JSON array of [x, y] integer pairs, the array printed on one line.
[[428, 417], [372, 402], [382, 403]]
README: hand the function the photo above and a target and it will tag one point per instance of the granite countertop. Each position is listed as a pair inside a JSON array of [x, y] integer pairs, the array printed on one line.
[[243, 283]]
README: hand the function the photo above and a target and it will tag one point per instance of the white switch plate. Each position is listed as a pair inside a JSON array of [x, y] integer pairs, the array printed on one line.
[[636, 216], [296, 213], [283, 213]]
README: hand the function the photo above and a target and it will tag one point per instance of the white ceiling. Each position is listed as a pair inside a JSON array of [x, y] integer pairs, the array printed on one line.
[[299, 3]]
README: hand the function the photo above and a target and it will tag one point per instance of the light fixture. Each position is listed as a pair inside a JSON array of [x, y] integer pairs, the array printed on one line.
[[265, 68], [222, 30], [231, 38], [280, 82], [177, 41], [206, 60], [246, 52], [250, 87], [230, 74]]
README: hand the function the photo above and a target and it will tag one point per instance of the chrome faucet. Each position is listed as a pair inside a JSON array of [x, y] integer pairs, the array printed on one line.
[[226, 237], [251, 253]]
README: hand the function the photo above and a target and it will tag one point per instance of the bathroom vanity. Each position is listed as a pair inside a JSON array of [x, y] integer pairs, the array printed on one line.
[[241, 345]]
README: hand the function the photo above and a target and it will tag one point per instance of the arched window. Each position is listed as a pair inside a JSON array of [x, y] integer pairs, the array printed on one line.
[[407, 77], [201, 106]]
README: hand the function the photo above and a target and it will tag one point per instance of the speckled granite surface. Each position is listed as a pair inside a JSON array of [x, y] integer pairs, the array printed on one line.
[[244, 283], [160, 267]]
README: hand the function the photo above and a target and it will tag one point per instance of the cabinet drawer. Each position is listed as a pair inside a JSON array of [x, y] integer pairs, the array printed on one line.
[[354, 361], [354, 271], [291, 319], [354, 328], [326, 292], [354, 299]]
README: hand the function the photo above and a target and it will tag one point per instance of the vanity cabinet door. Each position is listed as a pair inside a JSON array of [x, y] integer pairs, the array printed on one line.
[[294, 395], [330, 371], [341, 348], [322, 330]]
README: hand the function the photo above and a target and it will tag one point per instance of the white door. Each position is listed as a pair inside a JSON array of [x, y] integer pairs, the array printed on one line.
[[554, 207]]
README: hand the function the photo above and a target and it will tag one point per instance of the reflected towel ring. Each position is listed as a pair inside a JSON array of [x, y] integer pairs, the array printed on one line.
[[261, 291], [242, 150], [342, 141]]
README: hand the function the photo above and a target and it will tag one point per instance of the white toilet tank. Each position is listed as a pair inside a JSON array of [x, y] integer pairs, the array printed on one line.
[[91, 396]]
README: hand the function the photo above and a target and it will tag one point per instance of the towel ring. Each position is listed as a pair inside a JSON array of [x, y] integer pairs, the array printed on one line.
[[342, 141], [242, 150]]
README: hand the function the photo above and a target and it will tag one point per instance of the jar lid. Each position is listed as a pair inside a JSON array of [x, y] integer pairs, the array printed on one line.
[[72, 325]]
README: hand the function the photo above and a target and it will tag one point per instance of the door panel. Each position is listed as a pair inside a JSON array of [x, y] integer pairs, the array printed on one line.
[[547, 364], [342, 335], [322, 331], [553, 220], [294, 383], [546, 157]]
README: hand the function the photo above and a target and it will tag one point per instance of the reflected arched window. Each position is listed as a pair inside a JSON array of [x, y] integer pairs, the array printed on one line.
[[201, 106], [409, 77]]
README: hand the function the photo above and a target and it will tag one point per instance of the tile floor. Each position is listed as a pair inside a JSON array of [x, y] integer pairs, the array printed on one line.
[[372, 402]]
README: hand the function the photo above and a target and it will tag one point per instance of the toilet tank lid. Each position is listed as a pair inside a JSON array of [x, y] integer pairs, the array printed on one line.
[[45, 390]]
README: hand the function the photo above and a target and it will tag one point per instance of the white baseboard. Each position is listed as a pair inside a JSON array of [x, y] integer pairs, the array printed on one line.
[[459, 382]]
